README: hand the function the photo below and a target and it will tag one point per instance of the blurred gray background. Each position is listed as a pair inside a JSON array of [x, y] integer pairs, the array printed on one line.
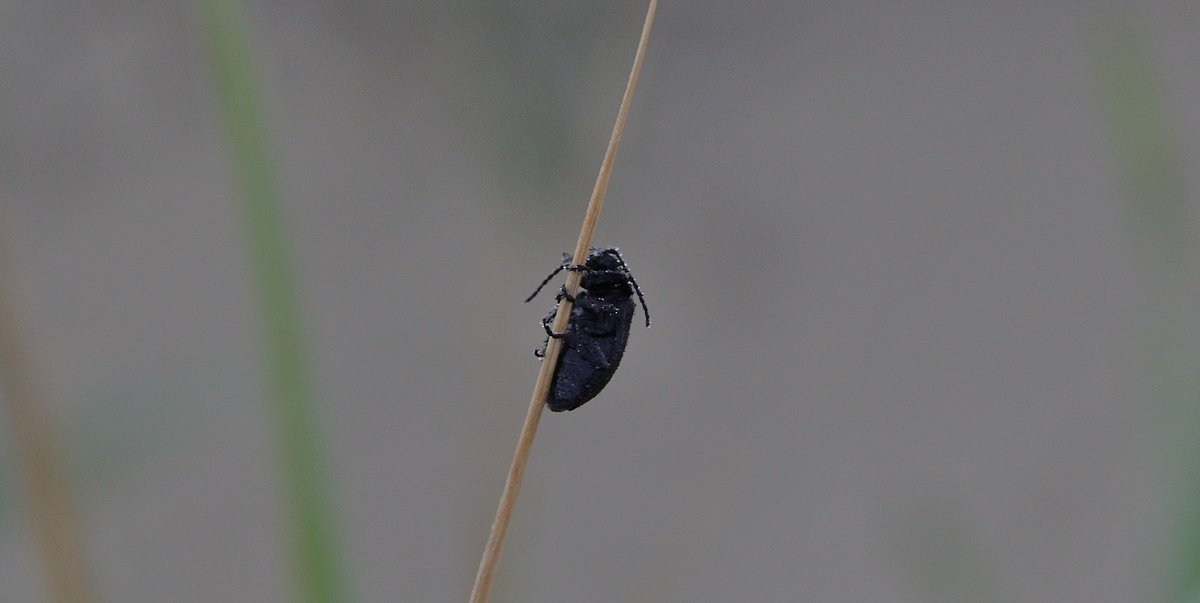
[[885, 245]]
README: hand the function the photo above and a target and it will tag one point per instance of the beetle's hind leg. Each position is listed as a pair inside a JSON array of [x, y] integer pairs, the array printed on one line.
[[541, 351]]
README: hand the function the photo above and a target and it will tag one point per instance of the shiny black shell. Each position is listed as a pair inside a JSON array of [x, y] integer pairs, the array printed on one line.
[[598, 331], [592, 350]]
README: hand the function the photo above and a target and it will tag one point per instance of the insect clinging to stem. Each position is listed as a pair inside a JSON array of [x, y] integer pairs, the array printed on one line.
[[601, 317]]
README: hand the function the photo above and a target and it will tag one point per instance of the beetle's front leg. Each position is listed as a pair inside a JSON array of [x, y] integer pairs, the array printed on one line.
[[569, 267]]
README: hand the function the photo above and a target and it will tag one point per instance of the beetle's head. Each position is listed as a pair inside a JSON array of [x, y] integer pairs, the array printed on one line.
[[604, 259], [605, 270]]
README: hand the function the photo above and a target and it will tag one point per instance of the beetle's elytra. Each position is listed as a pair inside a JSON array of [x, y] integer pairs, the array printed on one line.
[[601, 316]]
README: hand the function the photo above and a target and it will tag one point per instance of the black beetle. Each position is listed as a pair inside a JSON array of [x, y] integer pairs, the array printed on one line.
[[601, 315]]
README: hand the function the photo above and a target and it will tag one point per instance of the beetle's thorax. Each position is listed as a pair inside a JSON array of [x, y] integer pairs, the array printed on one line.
[[606, 283]]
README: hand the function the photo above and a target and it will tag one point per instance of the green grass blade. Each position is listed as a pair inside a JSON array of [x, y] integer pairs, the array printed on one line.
[[309, 514], [1161, 213]]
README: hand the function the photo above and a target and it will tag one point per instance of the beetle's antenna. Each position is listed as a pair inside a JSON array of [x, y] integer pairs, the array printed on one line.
[[566, 265], [539, 287], [641, 298], [629, 275]]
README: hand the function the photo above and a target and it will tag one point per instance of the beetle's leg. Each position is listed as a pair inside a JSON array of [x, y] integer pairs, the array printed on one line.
[[550, 332], [540, 352], [562, 294], [568, 266]]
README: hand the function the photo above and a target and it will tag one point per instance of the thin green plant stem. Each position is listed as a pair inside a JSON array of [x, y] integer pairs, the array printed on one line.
[[312, 537], [516, 471], [52, 508], [1166, 258]]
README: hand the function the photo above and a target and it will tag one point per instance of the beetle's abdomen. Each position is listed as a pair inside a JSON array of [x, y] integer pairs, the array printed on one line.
[[592, 350], [577, 380]]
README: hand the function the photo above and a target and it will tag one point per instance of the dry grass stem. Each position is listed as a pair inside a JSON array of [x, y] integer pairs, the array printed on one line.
[[56, 523], [516, 471]]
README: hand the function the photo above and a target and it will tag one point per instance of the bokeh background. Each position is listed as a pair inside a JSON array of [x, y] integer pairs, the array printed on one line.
[[921, 275]]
